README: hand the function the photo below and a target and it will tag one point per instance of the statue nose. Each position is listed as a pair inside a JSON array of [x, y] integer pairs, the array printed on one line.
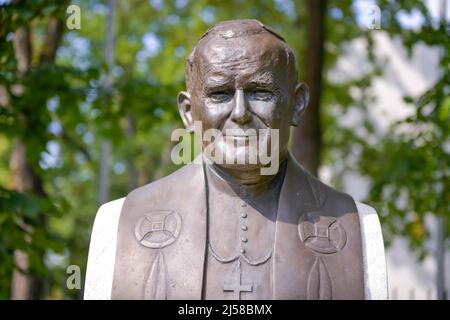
[[240, 113]]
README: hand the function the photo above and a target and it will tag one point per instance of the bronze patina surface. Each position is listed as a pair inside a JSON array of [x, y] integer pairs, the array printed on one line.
[[224, 230]]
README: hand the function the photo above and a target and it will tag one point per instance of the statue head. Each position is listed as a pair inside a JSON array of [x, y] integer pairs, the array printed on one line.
[[242, 75]]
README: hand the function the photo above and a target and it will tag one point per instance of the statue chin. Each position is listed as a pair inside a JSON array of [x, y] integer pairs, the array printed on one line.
[[240, 167]]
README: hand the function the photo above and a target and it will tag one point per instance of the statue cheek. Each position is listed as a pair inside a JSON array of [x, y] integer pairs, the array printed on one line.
[[217, 111], [283, 113], [264, 109], [210, 118]]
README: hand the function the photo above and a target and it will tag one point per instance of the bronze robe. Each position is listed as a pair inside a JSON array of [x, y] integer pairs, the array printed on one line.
[[162, 240]]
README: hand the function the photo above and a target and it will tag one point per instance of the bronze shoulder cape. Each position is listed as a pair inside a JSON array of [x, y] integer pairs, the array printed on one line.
[[161, 244]]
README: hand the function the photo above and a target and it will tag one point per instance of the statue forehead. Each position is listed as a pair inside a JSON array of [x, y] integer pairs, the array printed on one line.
[[244, 52]]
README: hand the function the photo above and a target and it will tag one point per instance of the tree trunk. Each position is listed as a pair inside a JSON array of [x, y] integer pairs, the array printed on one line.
[[54, 35], [307, 136], [21, 173], [23, 178]]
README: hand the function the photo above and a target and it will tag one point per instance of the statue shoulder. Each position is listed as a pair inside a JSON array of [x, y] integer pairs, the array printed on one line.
[[168, 186], [325, 196], [103, 243], [330, 198]]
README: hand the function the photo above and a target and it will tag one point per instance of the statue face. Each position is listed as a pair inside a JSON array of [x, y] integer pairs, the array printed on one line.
[[243, 83]]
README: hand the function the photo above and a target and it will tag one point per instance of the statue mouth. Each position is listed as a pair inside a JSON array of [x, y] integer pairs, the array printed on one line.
[[240, 135], [246, 139]]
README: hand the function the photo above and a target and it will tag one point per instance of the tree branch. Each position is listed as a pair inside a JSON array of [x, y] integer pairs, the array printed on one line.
[[52, 40]]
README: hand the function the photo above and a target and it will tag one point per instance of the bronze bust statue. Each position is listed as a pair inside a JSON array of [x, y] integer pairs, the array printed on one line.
[[216, 230]]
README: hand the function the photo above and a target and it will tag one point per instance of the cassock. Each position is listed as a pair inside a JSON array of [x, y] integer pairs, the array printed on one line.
[[196, 234]]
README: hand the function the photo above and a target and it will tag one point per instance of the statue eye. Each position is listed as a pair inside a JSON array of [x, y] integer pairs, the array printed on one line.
[[220, 96], [261, 94]]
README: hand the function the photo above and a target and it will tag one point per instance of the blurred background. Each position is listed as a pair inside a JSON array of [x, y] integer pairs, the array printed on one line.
[[88, 102]]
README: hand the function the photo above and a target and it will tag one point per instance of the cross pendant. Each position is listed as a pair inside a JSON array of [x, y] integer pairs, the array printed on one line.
[[237, 286]]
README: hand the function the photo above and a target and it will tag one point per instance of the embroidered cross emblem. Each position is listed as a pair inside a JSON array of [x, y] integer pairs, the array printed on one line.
[[321, 232]]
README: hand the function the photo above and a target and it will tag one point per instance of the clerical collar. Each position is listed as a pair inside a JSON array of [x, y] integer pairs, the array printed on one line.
[[228, 184]]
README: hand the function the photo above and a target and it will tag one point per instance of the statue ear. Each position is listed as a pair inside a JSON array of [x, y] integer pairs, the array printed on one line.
[[184, 108], [301, 94]]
